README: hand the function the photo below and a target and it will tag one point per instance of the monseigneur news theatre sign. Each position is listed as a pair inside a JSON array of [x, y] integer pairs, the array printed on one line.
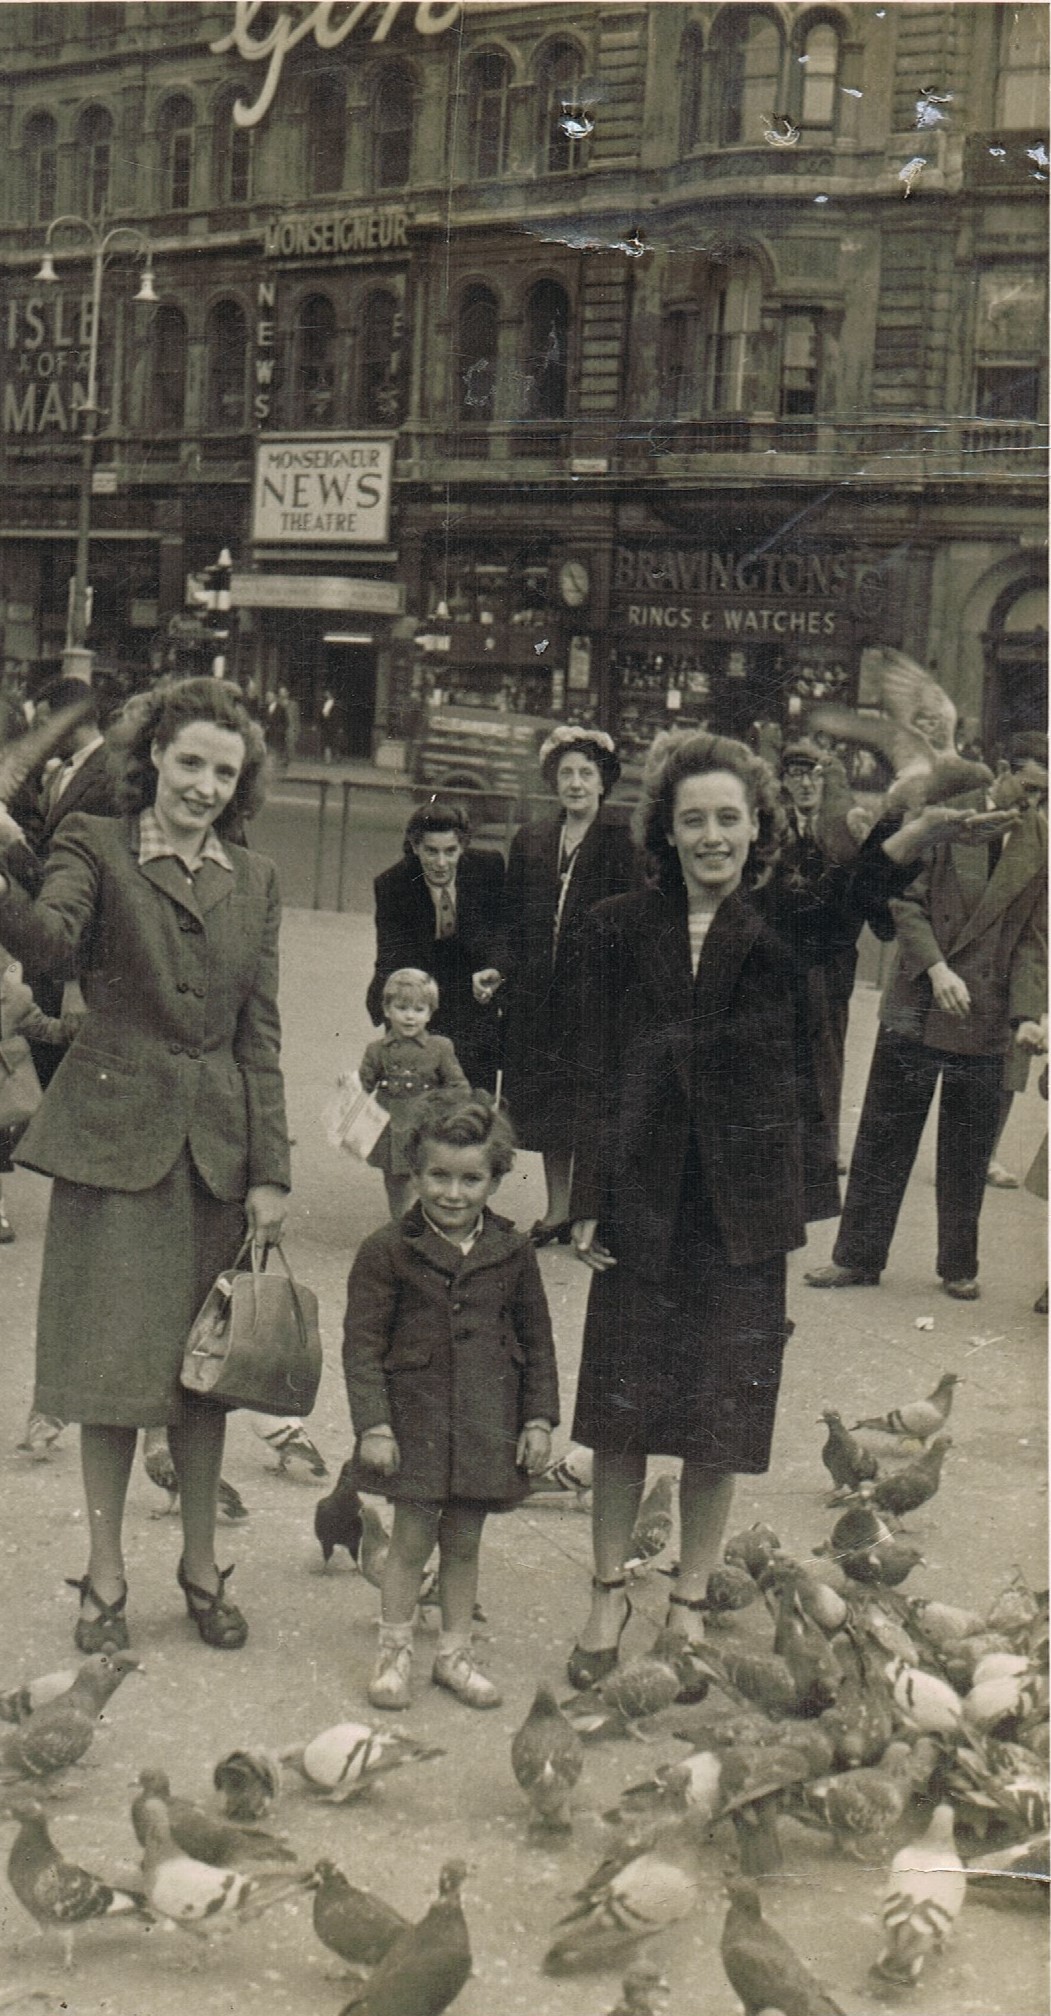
[[333, 490]]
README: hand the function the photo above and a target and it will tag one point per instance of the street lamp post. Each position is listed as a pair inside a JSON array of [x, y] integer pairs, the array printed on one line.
[[76, 658]]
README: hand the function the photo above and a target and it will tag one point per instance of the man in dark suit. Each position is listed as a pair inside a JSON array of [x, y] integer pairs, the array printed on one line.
[[438, 909], [970, 979]]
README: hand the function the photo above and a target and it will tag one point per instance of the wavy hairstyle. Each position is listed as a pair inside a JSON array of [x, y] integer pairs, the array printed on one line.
[[159, 716], [437, 815], [676, 754], [458, 1119]]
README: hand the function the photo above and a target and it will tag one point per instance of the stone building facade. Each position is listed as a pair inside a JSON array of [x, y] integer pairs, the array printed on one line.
[[646, 363]]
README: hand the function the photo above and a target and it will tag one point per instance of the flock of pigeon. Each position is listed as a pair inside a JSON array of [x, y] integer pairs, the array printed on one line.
[[911, 1734]]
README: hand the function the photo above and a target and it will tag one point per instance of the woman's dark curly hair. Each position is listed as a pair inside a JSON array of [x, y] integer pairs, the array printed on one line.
[[677, 754], [158, 716], [460, 1119]]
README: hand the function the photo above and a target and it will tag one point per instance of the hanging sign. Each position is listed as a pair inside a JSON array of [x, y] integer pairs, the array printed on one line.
[[328, 490]]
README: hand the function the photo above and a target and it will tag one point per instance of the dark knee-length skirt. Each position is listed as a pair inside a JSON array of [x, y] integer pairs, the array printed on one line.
[[689, 1368], [124, 1274]]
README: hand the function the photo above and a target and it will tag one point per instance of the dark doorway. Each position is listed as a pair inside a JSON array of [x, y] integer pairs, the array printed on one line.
[[1015, 647], [350, 671]]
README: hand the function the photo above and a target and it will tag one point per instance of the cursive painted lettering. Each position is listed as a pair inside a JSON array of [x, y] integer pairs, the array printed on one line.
[[431, 17]]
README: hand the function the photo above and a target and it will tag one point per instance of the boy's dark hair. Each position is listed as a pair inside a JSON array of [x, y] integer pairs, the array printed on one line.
[[462, 1119]]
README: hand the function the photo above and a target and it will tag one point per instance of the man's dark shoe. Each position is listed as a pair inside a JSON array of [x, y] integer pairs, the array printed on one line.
[[962, 1291], [841, 1277]]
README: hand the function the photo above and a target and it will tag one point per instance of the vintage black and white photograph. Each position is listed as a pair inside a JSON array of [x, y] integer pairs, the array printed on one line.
[[523, 1008]]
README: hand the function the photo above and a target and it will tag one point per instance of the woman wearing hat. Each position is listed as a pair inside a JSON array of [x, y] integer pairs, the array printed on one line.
[[557, 869]]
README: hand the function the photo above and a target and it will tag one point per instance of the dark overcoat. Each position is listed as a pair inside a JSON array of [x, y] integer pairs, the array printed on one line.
[[405, 937], [181, 1043], [543, 999], [454, 1351]]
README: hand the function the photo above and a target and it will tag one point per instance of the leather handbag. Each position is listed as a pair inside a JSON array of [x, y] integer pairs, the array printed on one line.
[[255, 1341], [20, 1093]]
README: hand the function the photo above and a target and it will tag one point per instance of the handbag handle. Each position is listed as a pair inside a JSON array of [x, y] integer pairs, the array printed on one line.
[[259, 1268]]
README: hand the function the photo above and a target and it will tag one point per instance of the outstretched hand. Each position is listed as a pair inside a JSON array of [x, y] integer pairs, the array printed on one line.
[[589, 1249]]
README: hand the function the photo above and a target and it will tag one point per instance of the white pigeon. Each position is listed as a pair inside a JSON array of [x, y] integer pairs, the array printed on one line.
[[924, 1701], [343, 1761], [196, 1895], [922, 1901]]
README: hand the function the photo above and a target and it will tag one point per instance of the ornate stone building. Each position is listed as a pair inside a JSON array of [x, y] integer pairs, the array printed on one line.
[[641, 361]]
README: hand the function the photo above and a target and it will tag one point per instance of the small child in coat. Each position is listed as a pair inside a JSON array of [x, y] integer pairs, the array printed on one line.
[[399, 1067], [451, 1376]]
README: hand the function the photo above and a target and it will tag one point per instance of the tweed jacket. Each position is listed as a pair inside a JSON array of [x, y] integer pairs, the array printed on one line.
[[455, 1351], [180, 1046], [990, 928]]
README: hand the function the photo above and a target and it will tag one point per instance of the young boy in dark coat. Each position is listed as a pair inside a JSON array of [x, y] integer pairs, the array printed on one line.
[[451, 1377]]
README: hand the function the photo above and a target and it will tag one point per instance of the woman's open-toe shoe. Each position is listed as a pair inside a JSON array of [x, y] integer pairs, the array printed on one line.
[[220, 1623], [106, 1630], [585, 1669]]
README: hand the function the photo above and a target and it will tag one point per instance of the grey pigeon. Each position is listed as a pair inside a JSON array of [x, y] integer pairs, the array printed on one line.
[[57, 1893], [58, 1734], [761, 1966], [426, 1968], [204, 1835]]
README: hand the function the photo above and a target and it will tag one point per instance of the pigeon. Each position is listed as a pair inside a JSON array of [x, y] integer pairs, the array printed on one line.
[[344, 1760], [352, 1923], [920, 1418], [906, 1490], [997, 1788], [924, 1701], [808, 1655], [630, 1895], [201, 1834], [58, 1734], [19, 1703], [812, 1597], [886, 1566], [856, 1531], [916, 732], [643, 1985], [159, 1466], [27, 753], [40, 1435], [752, 1549], [373, 1547], [706, 1731], [863, 1807], [693, 1783], [572, 1471], [1005, 1689], [752, 1787], [923, 1900], [761, 1679], [1016, 1609], [426, 1968], [761, 1966], [290, 1442], [943, 1625], [338, 1518], [848, 1462], [728, 1590], [652, 1530], [196, 1894], [547, 1760], [641, 1687], [860, 1722], [1018, 1877], [55, 1892], [249, 1781]]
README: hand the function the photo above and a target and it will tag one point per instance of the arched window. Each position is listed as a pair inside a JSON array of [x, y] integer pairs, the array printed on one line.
[[231, 153], [748, 75], [819, 61], [176, 129], [1021, 83], [226, 345], [547, 351], [476, 354], [326, 134], [392, 129], [488, 112], [314, 362], [691, 71], [561, 118], [733, 320], [381, 361], [168, 403], [94, 159], [41, 168]]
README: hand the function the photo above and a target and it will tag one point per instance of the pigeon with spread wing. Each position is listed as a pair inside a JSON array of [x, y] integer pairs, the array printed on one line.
[[914, 731]]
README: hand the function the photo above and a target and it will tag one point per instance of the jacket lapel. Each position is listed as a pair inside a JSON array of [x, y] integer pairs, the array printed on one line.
[[171, 880], [1017, 866], [731, 935], [661, 947], [213, 885]]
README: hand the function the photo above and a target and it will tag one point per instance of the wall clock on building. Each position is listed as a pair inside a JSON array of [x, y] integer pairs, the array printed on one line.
[[574, 582]]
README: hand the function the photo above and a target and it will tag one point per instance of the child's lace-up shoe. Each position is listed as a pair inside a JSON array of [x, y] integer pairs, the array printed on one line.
[[457, 1671], [389, 1686]]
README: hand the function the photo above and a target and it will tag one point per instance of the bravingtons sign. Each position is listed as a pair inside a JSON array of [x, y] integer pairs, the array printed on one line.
[[326, 491], [329, 23]]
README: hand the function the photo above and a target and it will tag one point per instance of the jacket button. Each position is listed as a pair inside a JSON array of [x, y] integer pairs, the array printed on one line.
[[182, 987], [199, 992], [176, 1049], [193, 1053]]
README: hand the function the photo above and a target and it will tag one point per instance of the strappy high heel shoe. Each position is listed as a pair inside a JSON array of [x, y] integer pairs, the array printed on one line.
[[220, 1624], [107, 1631], [585, 1669]]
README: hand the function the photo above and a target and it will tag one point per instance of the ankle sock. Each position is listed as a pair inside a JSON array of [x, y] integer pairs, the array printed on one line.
[[451, 1642]]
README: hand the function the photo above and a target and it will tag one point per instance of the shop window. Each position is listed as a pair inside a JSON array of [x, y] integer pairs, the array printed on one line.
[[562, 117], [231, 153], [747, 46], [691, 73], [819, 61], [489, 107], [1009, 344], [1021, 82], [225, 350], [392, 129], [326, 134], [476, 355], [176, 128], [94, 159], [314, 362], [168, 405], [41, 168], [732, 340], [547, 352], [381, 361], [800, 364]]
